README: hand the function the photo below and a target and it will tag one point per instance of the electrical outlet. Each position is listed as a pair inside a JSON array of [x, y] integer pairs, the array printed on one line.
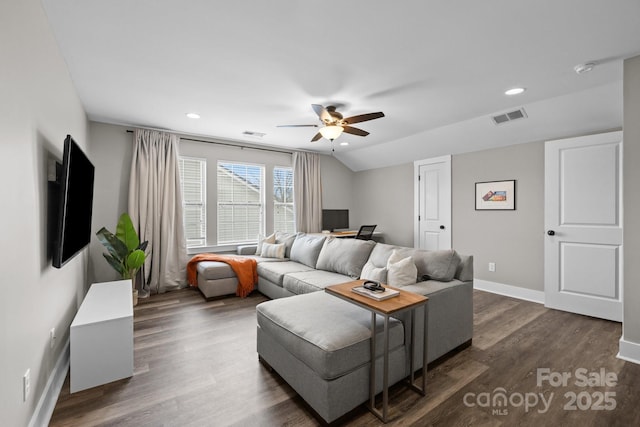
[[26, 385], [52, 338], [492, 266]]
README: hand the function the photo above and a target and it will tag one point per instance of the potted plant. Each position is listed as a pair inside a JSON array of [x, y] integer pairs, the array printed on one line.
[[125, 252]]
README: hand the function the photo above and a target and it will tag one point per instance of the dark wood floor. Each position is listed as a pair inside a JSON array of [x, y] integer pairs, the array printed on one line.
[[196, 365]]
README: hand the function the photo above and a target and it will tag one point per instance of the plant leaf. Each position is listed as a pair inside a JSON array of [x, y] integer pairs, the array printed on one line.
[[115, 246], [135, 259], [116, 264], [126, 232]]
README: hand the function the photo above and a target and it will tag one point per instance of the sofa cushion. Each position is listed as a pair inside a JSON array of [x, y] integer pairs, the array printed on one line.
[[273, 250], [214, 270], [382, 251], [401, 271], [306, 248], [275, 271], [344, 256], [287, 239], [371, 272], [437, 265], [329, 335], [303, 282]]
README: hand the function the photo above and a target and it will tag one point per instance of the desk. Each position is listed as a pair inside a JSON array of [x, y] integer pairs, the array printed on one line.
[[403, 302], [346, 234]]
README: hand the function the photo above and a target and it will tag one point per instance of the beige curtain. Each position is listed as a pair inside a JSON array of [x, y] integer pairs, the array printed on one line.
[[307, 192], [155, 207]]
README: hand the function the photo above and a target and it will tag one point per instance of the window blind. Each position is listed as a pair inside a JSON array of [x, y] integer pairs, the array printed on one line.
[[240, 202], [193, 180], [283, 211]]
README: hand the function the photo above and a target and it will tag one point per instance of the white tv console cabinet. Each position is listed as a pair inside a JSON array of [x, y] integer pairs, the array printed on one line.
[[102, 336]]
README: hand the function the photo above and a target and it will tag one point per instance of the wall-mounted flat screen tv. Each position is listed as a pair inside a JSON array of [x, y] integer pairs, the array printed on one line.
[[75, 202], [335, 219]]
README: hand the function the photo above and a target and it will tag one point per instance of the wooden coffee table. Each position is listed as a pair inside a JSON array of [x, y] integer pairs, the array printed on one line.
[[406, 301]]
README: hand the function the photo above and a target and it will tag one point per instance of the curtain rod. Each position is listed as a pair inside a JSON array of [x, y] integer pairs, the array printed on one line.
[[242, 147]]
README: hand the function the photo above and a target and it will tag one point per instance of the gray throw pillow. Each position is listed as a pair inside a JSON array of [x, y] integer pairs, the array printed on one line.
[[306, 249], [437, 265], [344, 256], [287, 239]]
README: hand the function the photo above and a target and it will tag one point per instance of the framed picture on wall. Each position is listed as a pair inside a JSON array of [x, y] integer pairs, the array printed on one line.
[[496, 195]]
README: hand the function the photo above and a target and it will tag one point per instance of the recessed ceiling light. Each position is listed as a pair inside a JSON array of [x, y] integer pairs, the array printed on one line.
[[344, 143], [584, 68], [515, 91], [193, 115]]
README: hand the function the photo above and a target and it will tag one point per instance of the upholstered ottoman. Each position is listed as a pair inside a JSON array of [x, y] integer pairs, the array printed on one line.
[[320, 345], [216, 279]]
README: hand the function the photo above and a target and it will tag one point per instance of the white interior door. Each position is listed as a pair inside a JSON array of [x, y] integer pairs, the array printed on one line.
[[583, 220], [433, 202]]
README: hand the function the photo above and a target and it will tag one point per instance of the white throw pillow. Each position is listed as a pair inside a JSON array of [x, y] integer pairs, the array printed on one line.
[[273, 250], [401, 272], [262, 240], [371, 272]]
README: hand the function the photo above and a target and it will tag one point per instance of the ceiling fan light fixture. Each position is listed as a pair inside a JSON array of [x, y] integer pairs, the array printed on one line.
[[331, 132]]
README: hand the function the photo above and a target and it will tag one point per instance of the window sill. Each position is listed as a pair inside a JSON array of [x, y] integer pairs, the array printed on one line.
[[217, 248]]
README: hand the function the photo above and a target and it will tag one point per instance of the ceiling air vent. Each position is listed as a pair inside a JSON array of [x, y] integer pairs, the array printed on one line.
[[255, 134], [509, 117]]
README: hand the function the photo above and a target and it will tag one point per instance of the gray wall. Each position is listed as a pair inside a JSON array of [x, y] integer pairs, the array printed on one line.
[[384, 197], [337, 186], [512, 239], [631, 315], [38, 107], [111, 148]]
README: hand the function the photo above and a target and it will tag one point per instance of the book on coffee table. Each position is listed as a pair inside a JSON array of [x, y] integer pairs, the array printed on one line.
[[378, 296]]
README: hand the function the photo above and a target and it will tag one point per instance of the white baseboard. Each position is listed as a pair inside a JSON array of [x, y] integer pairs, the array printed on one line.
[[47, 403], [629, 351], [509, 290]]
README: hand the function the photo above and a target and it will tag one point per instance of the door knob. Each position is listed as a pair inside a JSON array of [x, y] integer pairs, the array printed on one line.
[[551, 233], [442, 227]]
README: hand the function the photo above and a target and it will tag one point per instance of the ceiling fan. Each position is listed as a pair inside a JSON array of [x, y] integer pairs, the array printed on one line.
[[335, 124]]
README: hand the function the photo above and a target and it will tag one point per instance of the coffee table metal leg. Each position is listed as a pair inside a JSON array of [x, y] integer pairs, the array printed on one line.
[[424, 348], [385, 378], [423, 389], [372, 372], [382, 415]]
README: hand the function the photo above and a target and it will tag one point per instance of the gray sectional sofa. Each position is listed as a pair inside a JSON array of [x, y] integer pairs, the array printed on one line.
[[320, 344]]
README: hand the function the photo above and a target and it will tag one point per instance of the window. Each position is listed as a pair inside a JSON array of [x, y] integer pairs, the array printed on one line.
[[283, 213], [240, 201], [193, 174]]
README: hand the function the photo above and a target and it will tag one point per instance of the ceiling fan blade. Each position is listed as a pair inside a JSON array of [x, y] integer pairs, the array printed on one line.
[[296, 126], [354, 131], [322, 113], [316, 137], [362, 118]]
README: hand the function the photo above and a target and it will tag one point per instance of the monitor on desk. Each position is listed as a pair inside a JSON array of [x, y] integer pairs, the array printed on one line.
[[335, 219]]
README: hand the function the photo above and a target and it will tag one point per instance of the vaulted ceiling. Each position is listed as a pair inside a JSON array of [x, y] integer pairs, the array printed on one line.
[[437, 69]]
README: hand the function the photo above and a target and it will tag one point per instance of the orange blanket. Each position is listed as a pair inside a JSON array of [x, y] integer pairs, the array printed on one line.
[[246, 270]]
